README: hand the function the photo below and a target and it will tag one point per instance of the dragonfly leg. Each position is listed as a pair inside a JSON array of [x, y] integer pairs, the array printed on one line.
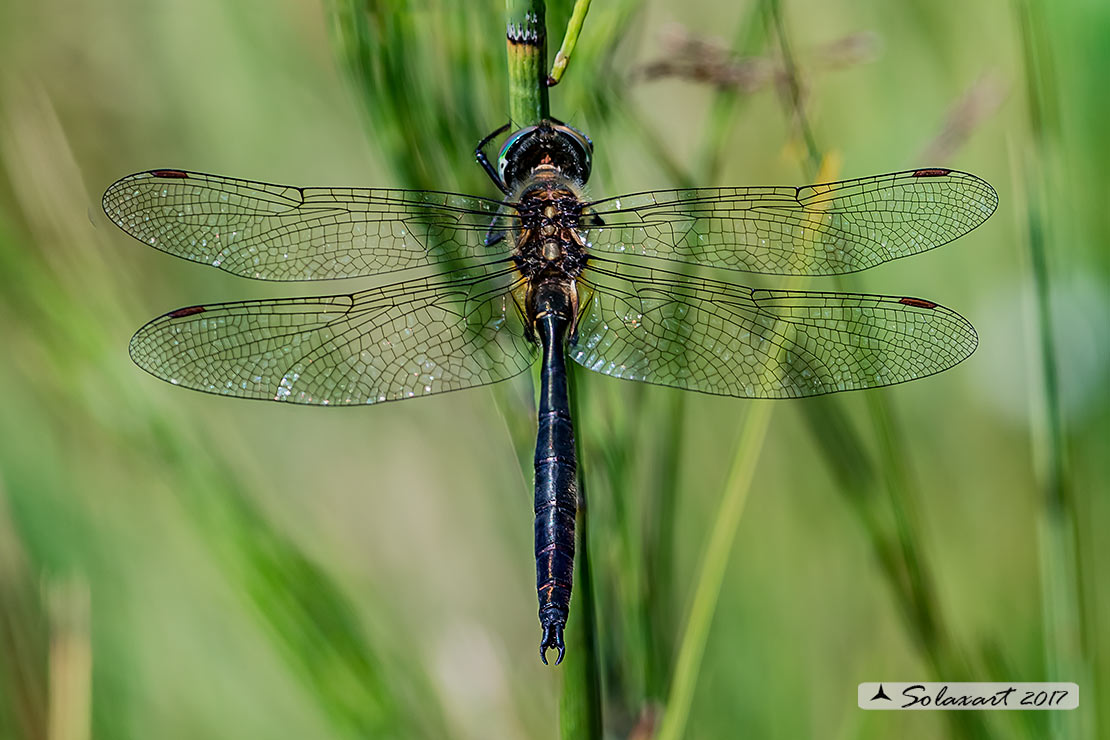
[[483, 160], [493, 236]]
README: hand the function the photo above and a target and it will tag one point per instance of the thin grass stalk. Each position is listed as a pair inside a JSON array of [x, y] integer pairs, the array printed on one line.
[[711, 571], [660, 152], [24, 640], [727, 102], [71, 657], [304, 610], [624, 663], [1064, 595], [657, 589], [715, 560], [679, 685], [417, 127], [570, 40], [296, 605]]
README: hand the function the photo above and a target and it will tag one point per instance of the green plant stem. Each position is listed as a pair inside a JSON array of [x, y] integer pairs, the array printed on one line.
[[727, 101], [527, 47], [711, 572], [794, 87], [570, 39], [661, 492], [658, 547]]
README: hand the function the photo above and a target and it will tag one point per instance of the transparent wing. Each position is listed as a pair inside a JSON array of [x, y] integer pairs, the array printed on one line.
[[412, 338], [714, 337], [826, 229], [279, 232]]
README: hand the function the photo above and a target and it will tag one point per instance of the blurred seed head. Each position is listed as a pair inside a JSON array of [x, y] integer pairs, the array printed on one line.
[[709, 60], [981, 101]]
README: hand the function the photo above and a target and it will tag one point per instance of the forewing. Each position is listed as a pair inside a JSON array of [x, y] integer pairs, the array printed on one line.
[[279, 232], [714, 337], [825, 229], [409, 339]]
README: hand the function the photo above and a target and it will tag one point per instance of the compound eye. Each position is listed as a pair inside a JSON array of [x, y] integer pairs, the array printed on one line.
[[509, 151], [583, 145]]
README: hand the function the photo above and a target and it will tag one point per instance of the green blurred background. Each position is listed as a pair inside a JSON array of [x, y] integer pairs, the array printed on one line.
[[175, 565]]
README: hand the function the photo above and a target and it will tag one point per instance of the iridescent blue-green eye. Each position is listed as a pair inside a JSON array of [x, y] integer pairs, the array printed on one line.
[[585, 149], [511, 144]]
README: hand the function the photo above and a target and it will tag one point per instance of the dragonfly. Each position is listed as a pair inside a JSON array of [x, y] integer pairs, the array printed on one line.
[[630, 287]]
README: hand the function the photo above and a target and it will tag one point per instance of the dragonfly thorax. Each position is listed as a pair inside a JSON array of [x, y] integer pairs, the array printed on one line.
[[550, 250], [549, 242]]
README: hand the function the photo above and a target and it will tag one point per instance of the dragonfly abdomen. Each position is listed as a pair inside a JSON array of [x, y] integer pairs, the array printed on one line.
[[556, 500]]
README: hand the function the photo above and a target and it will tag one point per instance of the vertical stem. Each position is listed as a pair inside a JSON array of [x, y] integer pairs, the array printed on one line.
[[794, 87], [711, 571], [527, 46]]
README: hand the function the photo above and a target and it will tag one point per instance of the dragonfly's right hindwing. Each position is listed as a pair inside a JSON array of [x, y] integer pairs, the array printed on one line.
[[412, 338]]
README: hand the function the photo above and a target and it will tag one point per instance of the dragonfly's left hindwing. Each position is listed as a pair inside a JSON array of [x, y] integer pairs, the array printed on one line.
[[705, 335]]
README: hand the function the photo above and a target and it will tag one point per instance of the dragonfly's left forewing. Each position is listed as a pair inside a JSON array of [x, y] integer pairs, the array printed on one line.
[[409, 339], [714, 337], [825, 229]]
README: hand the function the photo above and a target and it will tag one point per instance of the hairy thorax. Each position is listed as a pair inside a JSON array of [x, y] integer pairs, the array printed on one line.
[[549, 249], [549, 244]]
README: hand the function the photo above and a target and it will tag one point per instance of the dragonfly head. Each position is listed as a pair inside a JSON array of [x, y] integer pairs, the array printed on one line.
[[550, 143]]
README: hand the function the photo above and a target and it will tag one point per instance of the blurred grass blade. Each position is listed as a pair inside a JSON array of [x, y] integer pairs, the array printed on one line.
[[70, 659], [580, 707], [422, 76], [307, 614], [728, 102], [1064, 596], [570, 40], [311, 623], [711, 572], [24, 640]]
